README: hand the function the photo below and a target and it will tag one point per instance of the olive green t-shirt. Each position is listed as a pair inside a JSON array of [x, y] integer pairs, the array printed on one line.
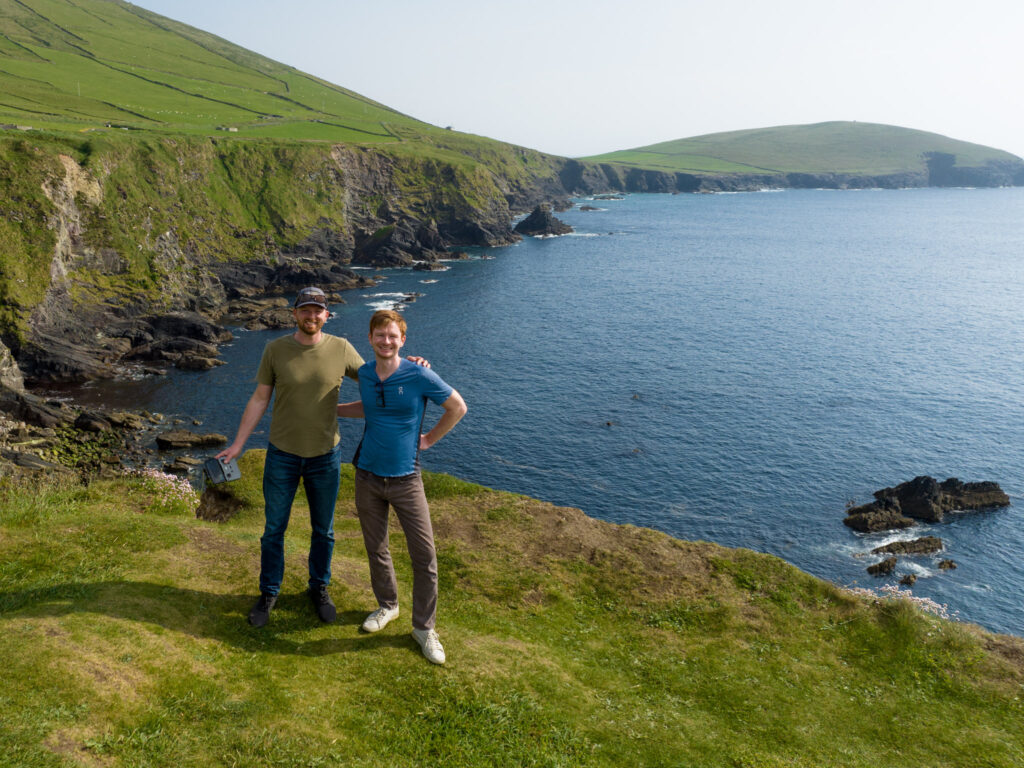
[[306, 380]]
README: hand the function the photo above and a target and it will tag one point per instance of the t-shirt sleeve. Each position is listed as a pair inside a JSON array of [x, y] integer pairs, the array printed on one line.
[[433, 386], [353, 361], [265, 374]]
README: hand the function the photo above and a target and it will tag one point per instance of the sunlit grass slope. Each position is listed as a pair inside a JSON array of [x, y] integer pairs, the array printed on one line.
[[83, 64], [571, 642], [834, 147]]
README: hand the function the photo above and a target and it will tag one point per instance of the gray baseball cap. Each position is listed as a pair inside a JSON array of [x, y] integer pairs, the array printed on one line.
[[311, 295]]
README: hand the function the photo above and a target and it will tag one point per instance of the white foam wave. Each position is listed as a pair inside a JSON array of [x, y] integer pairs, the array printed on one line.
[[921, 571], [398, 306]]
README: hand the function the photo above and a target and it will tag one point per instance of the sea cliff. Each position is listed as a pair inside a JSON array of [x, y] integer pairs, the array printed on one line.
[[104, 236]]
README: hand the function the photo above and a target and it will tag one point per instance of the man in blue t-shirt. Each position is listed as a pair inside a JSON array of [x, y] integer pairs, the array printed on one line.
[[394, 397]]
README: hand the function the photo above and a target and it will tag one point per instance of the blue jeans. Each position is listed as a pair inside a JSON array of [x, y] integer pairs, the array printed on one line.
[[281, 474]]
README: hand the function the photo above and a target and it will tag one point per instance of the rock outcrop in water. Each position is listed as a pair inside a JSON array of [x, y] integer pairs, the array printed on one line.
[[542, 222], [926, 545], [925, 499]]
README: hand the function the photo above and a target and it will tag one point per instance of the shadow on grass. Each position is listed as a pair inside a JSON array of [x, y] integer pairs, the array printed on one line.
[[205, 615]]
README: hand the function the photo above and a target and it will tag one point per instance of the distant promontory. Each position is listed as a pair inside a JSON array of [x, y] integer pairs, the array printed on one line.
[[832, 155]]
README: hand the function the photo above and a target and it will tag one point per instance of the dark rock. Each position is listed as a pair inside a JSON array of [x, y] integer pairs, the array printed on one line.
[[947, 565], [926, 545], [197, 363], [182, 465], [290, 278], [924, 498], [189, 325], [909, 580], [31, 462], [325, 245], [182, 345], [90, 421], [54, 357], [884, 568], [881, 515], [135, 330], [264, 313], [124, 420], [31, 409], [400, 245], [589, 208], [243, 279], [182, 438], [542, 222]]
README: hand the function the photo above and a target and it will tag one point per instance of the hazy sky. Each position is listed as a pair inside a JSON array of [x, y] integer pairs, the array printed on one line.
[[580, 78]]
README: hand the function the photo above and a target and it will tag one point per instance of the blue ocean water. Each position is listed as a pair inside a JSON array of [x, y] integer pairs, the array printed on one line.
[[732, 368]]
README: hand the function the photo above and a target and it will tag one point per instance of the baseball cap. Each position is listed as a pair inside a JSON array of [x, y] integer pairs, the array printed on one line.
[[311, 295]]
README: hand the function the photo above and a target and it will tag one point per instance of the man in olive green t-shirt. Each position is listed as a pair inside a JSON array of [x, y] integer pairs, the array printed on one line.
[[303, 372]]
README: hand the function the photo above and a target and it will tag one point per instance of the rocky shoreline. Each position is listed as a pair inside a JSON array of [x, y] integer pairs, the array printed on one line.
[[46, 437], [923, 499]]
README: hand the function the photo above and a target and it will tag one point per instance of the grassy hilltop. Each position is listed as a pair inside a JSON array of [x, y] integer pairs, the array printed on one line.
[[77, 66], [852, 148], [571, 642], [106, 66]]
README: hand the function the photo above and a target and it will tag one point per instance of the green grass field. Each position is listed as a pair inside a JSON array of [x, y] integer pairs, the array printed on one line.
[[836, 147], [84, 66], [570, 642]]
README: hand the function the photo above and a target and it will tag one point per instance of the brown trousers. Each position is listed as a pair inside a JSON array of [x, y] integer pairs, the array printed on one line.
[[405, 494]]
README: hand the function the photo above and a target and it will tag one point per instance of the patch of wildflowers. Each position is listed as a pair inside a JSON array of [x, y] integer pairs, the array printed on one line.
[[893, 592], [170, 493]]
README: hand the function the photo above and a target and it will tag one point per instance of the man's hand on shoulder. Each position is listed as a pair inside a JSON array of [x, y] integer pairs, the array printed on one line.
[[418, 360]]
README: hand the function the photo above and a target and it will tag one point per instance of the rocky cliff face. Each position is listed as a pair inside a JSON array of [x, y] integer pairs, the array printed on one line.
[[939, 171], [145, 230]]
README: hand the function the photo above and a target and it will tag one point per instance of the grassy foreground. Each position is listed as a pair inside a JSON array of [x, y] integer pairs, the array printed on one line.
[[570, 642]]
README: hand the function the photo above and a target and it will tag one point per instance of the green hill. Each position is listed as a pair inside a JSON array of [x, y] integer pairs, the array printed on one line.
[[570, 642], [83, 65], [844, 148]]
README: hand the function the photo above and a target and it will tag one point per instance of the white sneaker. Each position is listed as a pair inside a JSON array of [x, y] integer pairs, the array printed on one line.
[[430, 643], [379, 619]]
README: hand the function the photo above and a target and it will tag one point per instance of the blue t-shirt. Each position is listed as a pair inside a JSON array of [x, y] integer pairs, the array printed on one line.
[[394, 411]]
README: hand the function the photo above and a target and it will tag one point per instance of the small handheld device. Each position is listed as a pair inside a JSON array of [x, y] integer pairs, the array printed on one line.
[[218, 471]]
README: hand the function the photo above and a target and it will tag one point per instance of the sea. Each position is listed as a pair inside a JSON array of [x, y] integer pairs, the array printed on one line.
[[735, 368]]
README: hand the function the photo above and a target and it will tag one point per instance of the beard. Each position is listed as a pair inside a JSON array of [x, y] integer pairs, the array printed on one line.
[[310, 327]]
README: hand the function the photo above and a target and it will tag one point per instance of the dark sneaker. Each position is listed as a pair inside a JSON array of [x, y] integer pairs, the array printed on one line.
[[322, 602], [259, 615]]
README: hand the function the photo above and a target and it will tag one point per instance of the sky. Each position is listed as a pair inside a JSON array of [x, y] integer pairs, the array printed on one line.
[[582, 78]]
